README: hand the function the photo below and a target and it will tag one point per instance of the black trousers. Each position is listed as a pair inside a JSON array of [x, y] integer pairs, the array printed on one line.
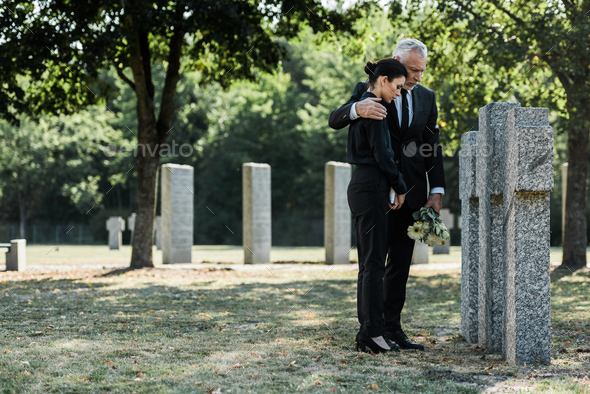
[[368, 193], [400, 250]]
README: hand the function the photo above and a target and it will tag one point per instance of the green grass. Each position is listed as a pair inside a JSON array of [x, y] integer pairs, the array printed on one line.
[[258, 331], [101, 255]]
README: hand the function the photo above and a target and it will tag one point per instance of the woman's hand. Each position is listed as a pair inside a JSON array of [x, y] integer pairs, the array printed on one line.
[[398, 201]]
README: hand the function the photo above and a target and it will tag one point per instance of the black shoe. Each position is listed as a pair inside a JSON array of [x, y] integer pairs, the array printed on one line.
[[365, 343], [399, 337], [394, 346]]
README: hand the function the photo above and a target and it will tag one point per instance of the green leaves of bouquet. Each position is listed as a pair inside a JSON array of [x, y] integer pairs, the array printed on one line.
[[428, 228]]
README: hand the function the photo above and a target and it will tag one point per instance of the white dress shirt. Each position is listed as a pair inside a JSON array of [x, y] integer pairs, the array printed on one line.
[[398, 106]]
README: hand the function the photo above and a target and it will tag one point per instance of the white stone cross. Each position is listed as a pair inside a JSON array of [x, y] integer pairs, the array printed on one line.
[[115, 225]]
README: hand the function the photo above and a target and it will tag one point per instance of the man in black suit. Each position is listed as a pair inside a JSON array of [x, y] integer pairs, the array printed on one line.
[[412, 120]]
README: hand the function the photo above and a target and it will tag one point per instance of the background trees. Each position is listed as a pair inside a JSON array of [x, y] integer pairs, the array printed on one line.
[[217, 37], [540, 54], [279, 118]]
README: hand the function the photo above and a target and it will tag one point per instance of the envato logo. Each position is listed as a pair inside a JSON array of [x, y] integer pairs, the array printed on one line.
[[164, 150], [426, 150]]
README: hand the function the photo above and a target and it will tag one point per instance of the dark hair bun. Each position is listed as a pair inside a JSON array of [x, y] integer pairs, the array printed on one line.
[[387, 67], [370, 67]]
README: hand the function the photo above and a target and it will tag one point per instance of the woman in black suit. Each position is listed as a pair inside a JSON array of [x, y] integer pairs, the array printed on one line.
[[369, 148]]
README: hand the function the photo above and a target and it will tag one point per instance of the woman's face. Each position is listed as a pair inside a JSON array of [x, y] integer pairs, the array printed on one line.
[[392, 89]]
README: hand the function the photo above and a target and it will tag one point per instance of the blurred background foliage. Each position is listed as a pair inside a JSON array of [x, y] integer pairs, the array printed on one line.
[[79, 169]]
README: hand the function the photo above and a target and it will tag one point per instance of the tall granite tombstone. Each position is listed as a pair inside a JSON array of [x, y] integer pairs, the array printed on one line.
[[177, 213], [447, 217], [490, 170], [115, 225], [16, 257], [256, 205], [337, 218], [469, 238], [131, 226], [527, 184], [505, 205], [158, 231]]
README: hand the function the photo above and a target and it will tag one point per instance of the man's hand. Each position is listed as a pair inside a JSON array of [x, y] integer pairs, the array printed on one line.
[[434, 201], [371, 109], [398, 201]]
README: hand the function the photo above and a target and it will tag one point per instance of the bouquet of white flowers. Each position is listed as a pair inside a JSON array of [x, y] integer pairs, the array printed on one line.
[[428, 227]]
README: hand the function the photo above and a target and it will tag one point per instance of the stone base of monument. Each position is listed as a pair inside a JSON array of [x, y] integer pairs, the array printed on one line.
[[16, 257], [442, 249], [420, 255]]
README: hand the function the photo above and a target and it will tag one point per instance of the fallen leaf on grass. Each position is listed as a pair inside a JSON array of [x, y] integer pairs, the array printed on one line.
[[489, 367], [140, 375], [317, 383], [199, 384], [7, 351], [255, 375], [317, 358], [292, 363], [374, 385]]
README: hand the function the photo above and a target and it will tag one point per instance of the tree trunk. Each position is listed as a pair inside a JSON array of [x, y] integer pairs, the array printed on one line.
[[575, 239], [150, 137], [148, 157], [21, 215], [147, 175]]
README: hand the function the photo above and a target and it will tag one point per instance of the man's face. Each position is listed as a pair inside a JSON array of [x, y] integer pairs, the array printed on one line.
[[415, 66]]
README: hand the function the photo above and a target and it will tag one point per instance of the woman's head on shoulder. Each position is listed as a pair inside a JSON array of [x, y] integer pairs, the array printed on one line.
[[386, 78]]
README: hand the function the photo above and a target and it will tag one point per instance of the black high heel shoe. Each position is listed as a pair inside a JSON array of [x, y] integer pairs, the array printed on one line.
[[365, 344]]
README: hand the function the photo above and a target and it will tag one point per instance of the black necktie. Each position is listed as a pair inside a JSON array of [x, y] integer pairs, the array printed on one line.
[[405, 111]]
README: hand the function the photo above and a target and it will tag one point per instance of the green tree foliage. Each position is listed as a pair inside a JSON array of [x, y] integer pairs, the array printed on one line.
[[538, 51], [226, 40], [53, 160]]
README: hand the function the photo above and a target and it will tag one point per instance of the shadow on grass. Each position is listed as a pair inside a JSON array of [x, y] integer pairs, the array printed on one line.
[[173, 320]]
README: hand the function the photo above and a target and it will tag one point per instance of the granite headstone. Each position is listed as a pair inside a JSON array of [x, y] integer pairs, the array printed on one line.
[[115, 225], [337, 218], [177, 213], [256, 204]]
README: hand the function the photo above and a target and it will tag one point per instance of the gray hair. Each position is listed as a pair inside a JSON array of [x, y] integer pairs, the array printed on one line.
[[405, 45]]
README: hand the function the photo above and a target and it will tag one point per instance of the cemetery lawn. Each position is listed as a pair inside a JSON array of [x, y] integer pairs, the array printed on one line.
[[269, 330]]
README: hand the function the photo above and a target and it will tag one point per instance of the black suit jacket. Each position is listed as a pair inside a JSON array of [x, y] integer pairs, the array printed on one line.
[[417, 152]]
